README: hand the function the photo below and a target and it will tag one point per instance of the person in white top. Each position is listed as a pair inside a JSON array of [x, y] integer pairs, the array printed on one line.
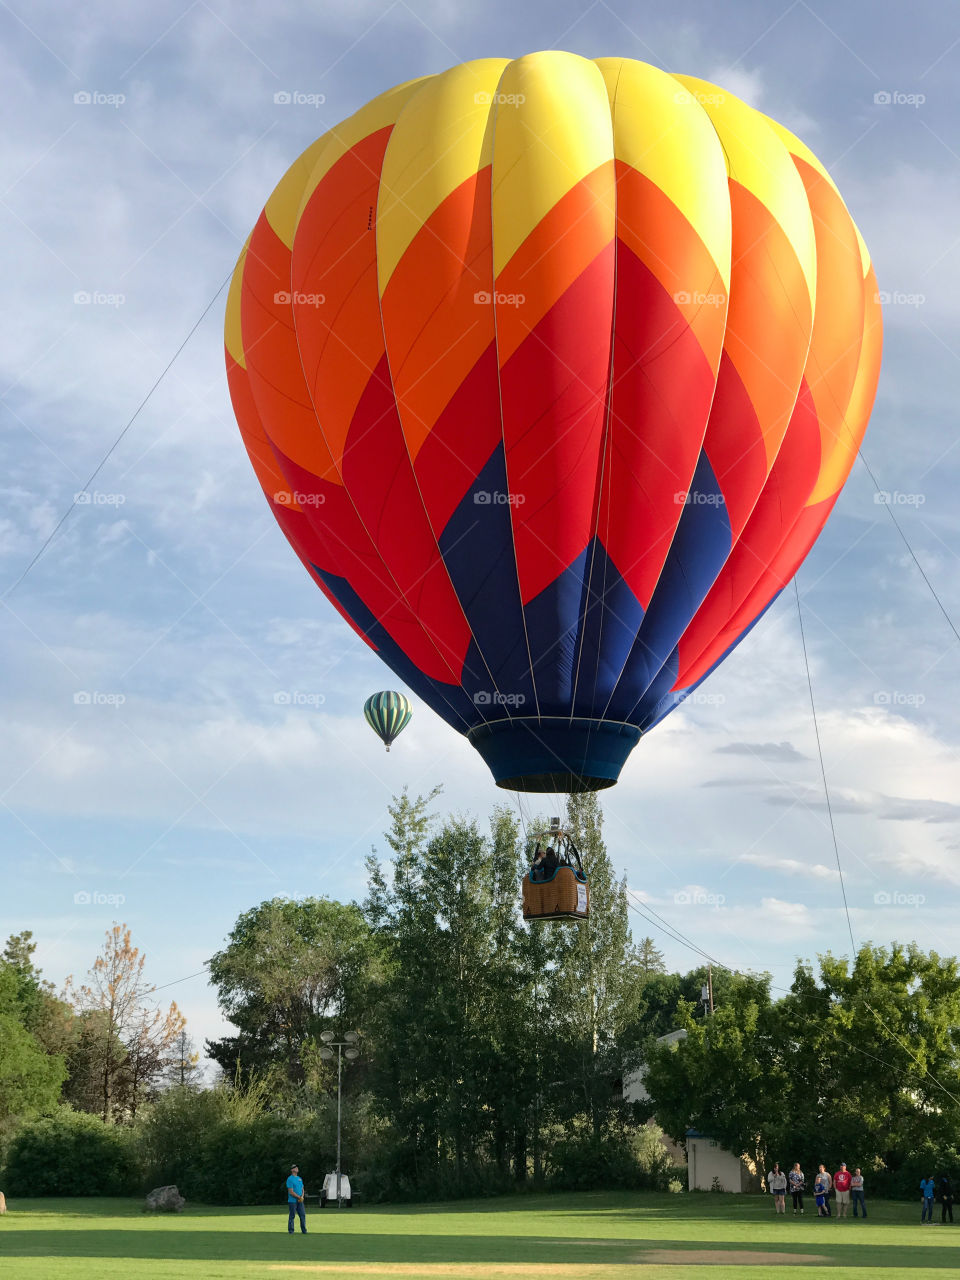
[[777, 1182]]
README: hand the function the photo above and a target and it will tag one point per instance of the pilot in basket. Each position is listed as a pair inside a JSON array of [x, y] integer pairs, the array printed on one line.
[[556, 887]]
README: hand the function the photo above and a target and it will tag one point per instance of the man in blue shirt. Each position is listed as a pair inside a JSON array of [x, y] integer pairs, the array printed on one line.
[[295, 1200], [926, 1199]]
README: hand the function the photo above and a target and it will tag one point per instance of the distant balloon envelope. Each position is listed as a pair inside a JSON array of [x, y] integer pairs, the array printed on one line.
[[387, 714], [552, 371]]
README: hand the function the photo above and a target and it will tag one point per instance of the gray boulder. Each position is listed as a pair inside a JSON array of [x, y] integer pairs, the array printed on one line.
[[164, 1200]]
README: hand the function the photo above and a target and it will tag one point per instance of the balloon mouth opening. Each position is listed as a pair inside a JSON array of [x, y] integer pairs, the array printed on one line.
[[554, 753], [573, 784]]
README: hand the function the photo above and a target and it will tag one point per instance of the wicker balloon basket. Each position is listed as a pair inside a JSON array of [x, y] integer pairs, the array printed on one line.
[[565, 896]]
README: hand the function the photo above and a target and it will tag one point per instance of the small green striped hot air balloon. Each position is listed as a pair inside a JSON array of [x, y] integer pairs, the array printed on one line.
[[387, 715]]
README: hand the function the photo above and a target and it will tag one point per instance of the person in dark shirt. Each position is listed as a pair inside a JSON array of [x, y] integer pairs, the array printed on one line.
[[945, 1196]]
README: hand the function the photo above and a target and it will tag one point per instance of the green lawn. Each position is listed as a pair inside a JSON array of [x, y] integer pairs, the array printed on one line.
[[588, 1237]]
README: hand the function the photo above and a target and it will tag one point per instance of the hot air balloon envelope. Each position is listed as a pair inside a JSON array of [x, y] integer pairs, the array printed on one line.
[[552, 370]]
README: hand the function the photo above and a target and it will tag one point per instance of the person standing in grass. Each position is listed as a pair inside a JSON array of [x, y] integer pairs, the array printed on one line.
[[777, 1181], [295, 1200], [927, 1187], [841, 1182], [856, 1193], [821, 1190], [796, 1181], [945, 1192]]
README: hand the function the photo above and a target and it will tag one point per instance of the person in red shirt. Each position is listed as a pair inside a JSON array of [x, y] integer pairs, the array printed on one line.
[[841, 1184]]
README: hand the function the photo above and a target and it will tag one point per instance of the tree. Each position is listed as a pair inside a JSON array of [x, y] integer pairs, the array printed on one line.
[[30, 1078], [124, 1040], [290, 970], [183, 1064], [866, 1058], [649, 959], [594, 973]]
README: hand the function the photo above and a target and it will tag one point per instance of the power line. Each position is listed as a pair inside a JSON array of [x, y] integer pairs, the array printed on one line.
[[906, 543], [176, 982], [823, 771], [103, 461]]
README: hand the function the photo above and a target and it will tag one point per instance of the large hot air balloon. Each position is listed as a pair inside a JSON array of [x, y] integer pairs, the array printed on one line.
[[551, 371]]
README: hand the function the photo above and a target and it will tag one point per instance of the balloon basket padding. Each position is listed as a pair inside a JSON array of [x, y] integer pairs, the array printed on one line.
[[554, 753]]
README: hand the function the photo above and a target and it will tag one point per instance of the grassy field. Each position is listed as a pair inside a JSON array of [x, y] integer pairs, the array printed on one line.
[[588, 1237]]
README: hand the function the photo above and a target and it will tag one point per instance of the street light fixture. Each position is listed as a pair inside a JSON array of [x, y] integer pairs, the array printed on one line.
[[345, 1049]]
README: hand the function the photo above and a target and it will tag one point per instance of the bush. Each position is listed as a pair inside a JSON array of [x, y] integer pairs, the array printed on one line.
[[902, 1181], [224, 1147], [71, 1154], [633, 1159]]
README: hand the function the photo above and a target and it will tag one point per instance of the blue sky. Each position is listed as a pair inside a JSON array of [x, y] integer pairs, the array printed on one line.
[[182, 723]]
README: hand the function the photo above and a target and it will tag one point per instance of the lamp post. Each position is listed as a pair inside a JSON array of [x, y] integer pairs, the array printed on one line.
[[346, 1048]]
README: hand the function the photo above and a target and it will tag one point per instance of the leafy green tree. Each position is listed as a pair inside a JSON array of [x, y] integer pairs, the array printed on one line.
[[290, 970], [863, 1060], [594, 992], [30, 1076]]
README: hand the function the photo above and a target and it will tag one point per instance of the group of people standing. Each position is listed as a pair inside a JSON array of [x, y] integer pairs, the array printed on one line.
[[930, 1191], [846, 1186], [848, 1189]]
